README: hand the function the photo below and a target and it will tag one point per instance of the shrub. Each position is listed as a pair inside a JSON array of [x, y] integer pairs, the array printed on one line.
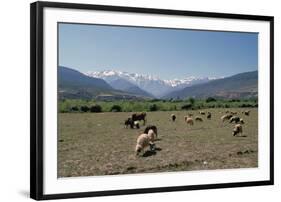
[[64, 111], [155, 100], [153, 108], [74, 109], [234, 100], [211, 99], [96, 108], [186, 106], [116, 108], [248, 105], [84, 108]]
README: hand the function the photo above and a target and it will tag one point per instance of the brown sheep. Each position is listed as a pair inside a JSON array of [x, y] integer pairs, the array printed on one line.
[[236, 119], [237, 129], [189, 120], [247, 113], [209, 115], [173, 116], [139, 117], [197, 118], [129, 122]]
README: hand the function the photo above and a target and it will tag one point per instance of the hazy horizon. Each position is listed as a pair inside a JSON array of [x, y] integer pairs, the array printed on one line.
[[162, 53]]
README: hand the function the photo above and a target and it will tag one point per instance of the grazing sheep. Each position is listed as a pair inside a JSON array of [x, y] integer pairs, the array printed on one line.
[[235, 119], [247, 113], [144, 140], [209, 115], [151, 127], [226, 117], [237, 129], [233, 113], [152, 135], [173, 116], [131, 123], [189, 120], [137, 124], [197, 118], [202, 112], [139, 117]]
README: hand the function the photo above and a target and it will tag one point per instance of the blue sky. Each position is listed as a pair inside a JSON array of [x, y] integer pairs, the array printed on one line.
[[165, 53]]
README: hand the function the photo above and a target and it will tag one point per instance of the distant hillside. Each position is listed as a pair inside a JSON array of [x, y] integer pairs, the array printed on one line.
[[124, 85], [242, 85], [75, 85]]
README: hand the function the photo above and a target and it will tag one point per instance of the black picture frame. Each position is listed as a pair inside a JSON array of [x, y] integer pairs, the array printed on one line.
[[36, 98]]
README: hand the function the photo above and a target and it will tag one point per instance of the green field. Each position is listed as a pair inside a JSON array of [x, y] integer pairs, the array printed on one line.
[[98, 144]]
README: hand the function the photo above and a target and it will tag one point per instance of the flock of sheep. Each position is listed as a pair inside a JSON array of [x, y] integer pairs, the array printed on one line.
[[147, 138], [231, 116]]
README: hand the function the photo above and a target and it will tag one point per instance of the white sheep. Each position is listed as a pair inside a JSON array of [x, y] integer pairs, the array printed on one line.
[[237, 129], [202, 112], [188, 120], [151, 135], [144, 140], [226, 117], [137, 124], [242, 121]]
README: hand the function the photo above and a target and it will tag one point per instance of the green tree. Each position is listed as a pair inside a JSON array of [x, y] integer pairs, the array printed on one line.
[[191, 100]]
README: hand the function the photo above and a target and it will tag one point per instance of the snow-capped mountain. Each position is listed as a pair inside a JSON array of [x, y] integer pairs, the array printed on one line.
[[153, 85]]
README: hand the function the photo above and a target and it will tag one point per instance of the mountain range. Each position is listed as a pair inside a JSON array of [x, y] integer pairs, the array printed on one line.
[[112, 85], [243, 85], [76, 85], [152, 85]]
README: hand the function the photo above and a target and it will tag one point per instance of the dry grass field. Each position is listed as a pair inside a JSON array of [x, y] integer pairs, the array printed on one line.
[[98, 144]]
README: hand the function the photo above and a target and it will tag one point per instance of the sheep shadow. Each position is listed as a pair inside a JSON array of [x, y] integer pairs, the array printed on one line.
[[151, 152], [241, 136]]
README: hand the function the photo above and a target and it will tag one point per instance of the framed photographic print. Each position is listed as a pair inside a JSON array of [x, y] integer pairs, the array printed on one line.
[[131, 100]]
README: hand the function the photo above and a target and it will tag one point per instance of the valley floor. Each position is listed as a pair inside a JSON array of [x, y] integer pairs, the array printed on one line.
[[98, 144]]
